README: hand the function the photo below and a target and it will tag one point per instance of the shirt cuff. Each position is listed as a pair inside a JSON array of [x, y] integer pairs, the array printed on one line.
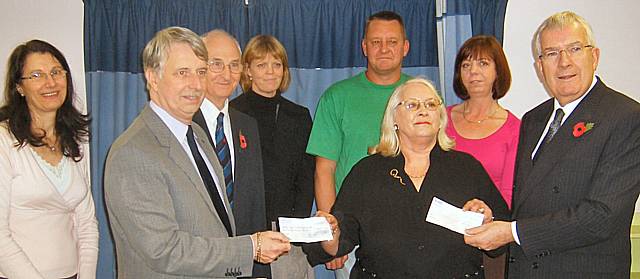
[[514, 232], [253, 246]]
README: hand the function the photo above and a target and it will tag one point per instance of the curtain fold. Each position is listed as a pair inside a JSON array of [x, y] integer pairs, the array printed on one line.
[[115, 99]]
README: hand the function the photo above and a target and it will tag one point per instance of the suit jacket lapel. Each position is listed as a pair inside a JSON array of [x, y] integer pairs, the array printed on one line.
[[178, 155], [562, 143], [198, 118], [217, 169], [238, 153]]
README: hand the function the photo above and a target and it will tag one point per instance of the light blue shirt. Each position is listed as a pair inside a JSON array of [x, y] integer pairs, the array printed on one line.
[[179, 130]]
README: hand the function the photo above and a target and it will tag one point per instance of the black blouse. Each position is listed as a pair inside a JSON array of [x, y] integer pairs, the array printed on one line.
[[387, 219]]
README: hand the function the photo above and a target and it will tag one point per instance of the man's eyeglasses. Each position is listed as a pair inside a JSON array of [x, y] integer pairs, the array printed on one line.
[[553, 54], [217, 66], [414, 104], [55, 74]]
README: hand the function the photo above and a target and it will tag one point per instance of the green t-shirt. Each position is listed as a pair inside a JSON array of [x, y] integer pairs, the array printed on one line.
[[347, 121]]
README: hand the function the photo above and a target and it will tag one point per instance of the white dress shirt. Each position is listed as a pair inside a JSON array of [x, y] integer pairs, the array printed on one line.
[[210, 113]]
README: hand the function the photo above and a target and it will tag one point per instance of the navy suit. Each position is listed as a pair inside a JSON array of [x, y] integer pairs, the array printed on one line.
[[574, 205]]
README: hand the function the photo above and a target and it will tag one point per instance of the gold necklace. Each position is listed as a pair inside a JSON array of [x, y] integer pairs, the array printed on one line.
[[464, 114], [414, 176]]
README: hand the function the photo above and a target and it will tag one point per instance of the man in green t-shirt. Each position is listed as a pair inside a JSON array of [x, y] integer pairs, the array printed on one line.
[[348, 116]]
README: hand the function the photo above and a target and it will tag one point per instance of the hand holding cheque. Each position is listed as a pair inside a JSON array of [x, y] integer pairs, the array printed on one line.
[[473, 214]]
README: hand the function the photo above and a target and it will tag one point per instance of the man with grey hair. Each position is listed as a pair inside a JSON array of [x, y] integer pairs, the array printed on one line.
[[234, 136], [164, 185], [576, 179]]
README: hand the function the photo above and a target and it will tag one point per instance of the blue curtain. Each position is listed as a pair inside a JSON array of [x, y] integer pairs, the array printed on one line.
[[461, 19], [322, 38]]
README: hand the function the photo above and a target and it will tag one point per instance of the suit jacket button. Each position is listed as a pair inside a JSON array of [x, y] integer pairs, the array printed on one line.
[[512, 259], [534, 265], [556, 189]]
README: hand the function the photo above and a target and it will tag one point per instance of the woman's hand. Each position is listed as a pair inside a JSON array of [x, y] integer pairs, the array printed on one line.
[[330, 246], [479, 206]]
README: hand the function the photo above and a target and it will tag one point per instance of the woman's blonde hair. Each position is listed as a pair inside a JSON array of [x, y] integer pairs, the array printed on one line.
[[389, 145]]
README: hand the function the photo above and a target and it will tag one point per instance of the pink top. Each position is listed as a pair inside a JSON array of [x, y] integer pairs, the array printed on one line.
[[44, 234], [496, 152]]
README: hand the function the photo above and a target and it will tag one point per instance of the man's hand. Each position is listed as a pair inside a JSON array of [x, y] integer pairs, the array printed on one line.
[[269, 245], [336, 263], [479, 206], [489, 236]]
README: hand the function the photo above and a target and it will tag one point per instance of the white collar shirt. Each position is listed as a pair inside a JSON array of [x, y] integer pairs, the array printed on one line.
[[210, 113], [567, 109]]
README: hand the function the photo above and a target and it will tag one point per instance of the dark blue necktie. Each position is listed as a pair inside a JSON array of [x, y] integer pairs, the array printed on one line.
[[224, 156], [208, 181]]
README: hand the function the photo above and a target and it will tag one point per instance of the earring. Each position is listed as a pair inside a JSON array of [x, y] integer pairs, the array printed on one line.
[[250, 78], [395, 127]]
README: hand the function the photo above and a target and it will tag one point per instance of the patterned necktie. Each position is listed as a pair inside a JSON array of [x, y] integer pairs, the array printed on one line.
[[224, 156], [553, 129], [208, 181]]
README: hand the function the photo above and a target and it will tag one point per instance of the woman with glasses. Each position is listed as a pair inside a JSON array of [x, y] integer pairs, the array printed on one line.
[[384, 200], [284, 129], [479, 125], [48, 227]]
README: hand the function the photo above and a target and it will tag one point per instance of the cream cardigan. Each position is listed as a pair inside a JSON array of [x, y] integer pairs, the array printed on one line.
[[43, 233]]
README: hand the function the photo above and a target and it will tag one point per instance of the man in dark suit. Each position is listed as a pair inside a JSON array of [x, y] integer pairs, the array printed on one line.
[[240, 133], [577, 167], [164, 193]]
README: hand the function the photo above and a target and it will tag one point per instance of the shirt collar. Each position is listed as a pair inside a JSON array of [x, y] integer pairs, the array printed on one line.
[[177, 128], [570, 107], [210, 109]]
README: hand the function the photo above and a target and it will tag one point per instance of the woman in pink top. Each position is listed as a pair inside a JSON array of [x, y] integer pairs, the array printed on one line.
[[48, 227], [479, 125]]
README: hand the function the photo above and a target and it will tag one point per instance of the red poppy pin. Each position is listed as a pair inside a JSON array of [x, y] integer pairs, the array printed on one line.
[[243, 141], [580, 128]]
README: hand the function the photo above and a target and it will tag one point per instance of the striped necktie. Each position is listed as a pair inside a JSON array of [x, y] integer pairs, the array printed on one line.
[[224, 156]]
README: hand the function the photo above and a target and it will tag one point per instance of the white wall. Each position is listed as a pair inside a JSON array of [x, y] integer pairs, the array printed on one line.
[[614, 24], [58, 22]]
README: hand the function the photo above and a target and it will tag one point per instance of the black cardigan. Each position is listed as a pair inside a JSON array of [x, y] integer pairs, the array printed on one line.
[[284, 129], [387, 219]]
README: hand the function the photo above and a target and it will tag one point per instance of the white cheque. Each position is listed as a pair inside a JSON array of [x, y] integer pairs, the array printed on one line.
[[307, 230], [446, 215]]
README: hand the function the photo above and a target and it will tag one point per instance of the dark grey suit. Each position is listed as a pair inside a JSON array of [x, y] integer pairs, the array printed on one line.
[[162, 219], [248, 196], [574, 206]]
